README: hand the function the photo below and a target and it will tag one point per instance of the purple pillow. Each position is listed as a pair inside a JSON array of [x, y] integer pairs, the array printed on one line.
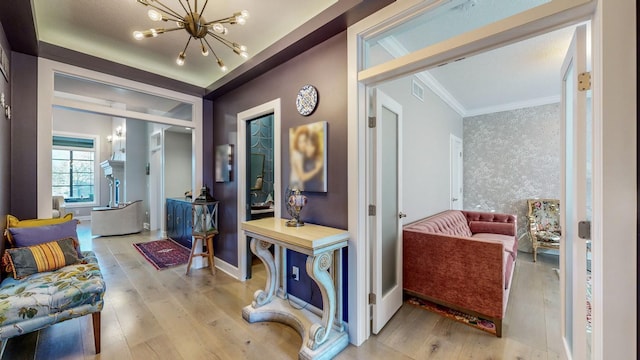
[[30, 236]]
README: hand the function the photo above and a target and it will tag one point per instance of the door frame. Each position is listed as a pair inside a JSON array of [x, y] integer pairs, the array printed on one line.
[[544, 18], [47, 100], [578, 173], [452, 140], [271, 107]]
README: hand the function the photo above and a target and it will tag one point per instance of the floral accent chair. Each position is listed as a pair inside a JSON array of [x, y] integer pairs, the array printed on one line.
[[544, 224], [46, 298]]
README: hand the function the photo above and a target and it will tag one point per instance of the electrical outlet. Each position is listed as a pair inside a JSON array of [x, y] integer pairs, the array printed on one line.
[[295, 273]]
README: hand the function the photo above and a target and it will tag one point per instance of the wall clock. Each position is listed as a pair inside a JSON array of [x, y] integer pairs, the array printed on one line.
[[307, 100]]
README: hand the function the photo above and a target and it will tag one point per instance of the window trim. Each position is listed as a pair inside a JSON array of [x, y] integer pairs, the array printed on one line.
[[97, 184]]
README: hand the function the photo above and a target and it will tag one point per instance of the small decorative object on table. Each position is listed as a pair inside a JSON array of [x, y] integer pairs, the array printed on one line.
[[295, 202]]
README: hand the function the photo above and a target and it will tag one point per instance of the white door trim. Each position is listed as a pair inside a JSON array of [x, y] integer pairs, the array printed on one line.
[[46, 100], [271, 107], [452, 140], [553, 15], [574, 185]]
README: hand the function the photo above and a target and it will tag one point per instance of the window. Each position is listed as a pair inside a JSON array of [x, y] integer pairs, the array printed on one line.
[[73, 168]]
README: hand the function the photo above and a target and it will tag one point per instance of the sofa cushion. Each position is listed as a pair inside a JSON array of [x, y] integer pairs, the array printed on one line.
[[25, 261], [508, 268], [509, 243], [452, 223], [492, 227], [14, 222], [29, 236], [50, 297]]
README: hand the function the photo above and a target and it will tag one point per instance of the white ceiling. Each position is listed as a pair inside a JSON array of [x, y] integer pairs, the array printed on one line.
[[516, 76], [104, 29], [523, 74]]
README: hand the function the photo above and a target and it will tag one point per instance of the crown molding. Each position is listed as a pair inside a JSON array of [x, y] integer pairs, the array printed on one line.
[[513, 106], [396, 49]]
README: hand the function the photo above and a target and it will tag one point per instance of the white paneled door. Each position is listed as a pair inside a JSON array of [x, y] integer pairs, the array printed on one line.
[[575, 274], [385, 185]]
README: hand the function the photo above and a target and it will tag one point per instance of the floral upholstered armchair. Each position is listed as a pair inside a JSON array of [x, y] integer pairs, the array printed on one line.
[[544, 224]]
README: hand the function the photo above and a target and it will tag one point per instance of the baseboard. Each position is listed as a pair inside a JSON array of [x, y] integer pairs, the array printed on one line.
[[301, 303], [227, 268]]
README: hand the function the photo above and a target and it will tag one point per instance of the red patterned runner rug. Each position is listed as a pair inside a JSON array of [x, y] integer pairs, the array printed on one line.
[[163, 254], [473, 321]]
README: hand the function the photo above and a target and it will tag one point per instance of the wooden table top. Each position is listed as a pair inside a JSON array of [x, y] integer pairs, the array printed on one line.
[[310, 237]]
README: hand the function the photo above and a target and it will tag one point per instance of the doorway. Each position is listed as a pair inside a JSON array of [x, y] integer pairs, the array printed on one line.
[[263, 120], [377, 76], [65, 87], [260, 179]]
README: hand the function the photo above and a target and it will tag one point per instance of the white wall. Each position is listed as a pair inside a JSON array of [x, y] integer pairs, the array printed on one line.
[[426, 168], [87, 124], [135, 166], [177, 162]]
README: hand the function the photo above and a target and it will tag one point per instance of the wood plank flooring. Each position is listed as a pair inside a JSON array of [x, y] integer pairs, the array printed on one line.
[[152, 314]]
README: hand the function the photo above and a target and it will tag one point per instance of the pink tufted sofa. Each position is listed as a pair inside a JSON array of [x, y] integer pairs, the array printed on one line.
[[463, 260]]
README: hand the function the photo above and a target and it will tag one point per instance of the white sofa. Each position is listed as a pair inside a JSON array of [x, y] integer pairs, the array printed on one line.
[[125, 219], [59, 207]]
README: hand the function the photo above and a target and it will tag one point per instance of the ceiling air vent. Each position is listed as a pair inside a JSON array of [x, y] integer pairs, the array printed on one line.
[[417, 89]]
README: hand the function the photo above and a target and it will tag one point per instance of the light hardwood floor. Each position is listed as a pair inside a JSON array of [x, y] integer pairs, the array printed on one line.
[[151, 314]]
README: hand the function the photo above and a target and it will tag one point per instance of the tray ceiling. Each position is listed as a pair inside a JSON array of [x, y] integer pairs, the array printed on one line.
[[104, 29]]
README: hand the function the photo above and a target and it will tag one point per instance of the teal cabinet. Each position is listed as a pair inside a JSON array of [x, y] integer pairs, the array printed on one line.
[[179, 221]]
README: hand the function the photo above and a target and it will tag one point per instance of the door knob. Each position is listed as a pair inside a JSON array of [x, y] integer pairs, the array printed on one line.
[[454, 199], [402, 215]]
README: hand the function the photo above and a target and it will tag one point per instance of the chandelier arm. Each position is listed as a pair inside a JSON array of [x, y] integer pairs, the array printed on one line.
[[226, 42], [187, 45], [204, 7], [220, 38], [228, 20], [195, 6], [182, 4], [177, 20], [167, 10], [191, 11], [210, 48], [173, 29]]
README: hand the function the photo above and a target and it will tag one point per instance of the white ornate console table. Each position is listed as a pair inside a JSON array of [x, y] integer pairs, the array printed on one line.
[[322, 338]]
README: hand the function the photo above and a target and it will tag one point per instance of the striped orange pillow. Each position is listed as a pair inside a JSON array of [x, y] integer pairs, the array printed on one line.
[[49, 256]]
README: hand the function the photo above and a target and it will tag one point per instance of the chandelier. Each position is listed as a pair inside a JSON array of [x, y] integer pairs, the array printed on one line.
[[196, 26]]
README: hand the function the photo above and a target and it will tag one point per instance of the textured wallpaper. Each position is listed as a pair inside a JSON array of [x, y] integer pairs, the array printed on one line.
[[510, 157], [262, 143]]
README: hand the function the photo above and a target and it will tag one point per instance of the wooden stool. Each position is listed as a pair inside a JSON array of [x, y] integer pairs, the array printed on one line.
[[208, 254]]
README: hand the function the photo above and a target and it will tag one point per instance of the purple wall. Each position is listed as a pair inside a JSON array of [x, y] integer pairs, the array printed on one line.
[[24, 126], [325, 67], [5, 142]]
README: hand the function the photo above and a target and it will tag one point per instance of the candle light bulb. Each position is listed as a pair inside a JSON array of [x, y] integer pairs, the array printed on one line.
[[181, 58], [154, 15]]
